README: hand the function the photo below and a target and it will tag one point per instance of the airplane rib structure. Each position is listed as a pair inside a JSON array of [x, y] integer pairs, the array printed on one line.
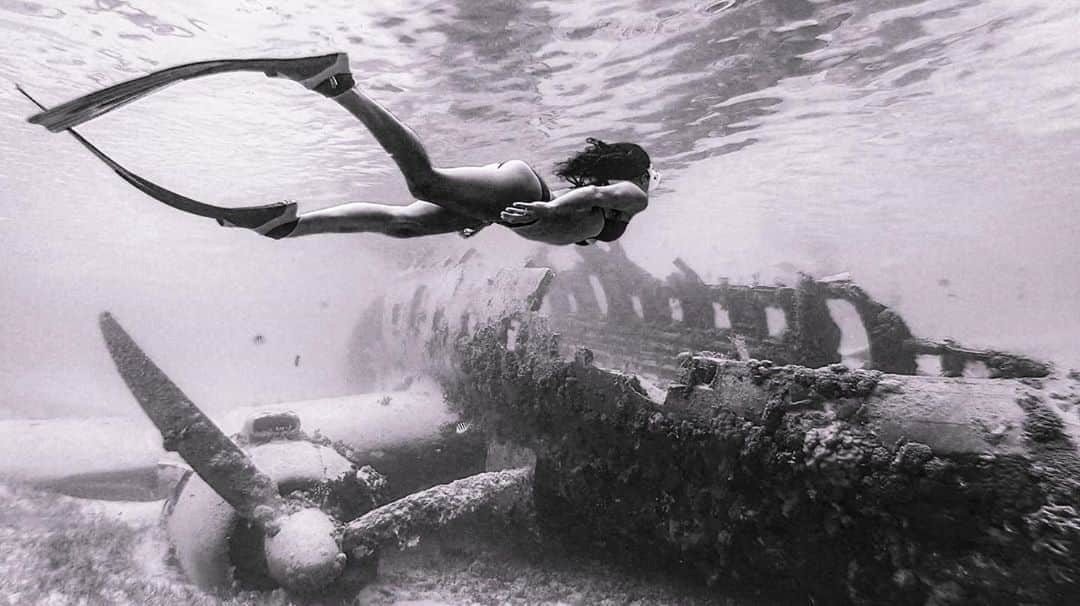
[[715, 431]]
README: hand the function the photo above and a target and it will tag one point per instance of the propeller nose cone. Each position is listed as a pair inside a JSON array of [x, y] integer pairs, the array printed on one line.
[[304, 554]]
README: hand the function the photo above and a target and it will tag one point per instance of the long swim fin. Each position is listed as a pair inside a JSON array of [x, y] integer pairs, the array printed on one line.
[[92, 105], [248, 216]]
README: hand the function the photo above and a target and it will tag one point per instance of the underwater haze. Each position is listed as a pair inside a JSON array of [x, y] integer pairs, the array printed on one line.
[[929, 147]]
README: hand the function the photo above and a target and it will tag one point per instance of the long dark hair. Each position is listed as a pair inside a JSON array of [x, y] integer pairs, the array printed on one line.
[[601, 162]]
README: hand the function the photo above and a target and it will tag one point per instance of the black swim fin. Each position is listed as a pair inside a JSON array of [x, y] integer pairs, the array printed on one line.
[[92, 105], [100, 102], [248, 216]]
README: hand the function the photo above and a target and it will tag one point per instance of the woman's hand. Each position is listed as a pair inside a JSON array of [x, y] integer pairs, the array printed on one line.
[[526, 212]]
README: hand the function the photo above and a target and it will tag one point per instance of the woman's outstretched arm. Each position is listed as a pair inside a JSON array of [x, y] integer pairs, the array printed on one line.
[[623, 196]]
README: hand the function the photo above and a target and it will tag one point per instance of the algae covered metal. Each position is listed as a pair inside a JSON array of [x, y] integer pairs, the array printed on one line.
[[276, 507], [844, 486], [840, 484], [298, 538]]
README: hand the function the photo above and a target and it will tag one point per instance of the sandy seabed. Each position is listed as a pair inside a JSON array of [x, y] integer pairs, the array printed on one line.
[[61, 551]]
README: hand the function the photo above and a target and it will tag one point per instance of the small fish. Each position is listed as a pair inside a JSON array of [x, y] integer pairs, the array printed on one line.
[[463, 426]]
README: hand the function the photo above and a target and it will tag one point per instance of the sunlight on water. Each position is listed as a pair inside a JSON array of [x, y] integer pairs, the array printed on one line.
[[928, 147]]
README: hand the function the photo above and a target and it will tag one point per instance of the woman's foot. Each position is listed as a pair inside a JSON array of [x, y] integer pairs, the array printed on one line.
[[328, 75], [279, 227]]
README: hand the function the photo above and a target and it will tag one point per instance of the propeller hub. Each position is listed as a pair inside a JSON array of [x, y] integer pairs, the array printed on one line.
[[304, 554]]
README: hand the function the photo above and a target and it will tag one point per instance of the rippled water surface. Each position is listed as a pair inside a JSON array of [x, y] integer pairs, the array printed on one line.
[[928, 147]]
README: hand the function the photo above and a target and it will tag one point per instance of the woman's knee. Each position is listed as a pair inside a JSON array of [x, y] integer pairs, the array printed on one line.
[[404, 228], [417, 219], [423, 185]]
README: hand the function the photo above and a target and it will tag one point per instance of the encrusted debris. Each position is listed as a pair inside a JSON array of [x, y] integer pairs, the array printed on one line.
[[774, 476], [402, 523]]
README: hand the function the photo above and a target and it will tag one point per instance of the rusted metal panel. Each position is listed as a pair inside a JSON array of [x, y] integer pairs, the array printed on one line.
[[844, 486], [410, 326], [682, 311]]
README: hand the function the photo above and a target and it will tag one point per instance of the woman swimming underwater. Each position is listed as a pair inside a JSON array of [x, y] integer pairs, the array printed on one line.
[[610, 182]]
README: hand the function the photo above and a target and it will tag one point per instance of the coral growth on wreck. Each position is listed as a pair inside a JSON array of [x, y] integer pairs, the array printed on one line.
[[771, 476]]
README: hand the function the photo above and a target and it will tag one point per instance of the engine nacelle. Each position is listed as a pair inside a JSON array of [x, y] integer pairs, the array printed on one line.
[[217, 549]]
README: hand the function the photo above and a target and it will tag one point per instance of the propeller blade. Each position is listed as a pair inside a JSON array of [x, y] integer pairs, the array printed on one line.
[[188, 431]]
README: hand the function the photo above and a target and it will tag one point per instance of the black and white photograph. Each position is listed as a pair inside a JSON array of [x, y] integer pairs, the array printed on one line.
[[539, 302]]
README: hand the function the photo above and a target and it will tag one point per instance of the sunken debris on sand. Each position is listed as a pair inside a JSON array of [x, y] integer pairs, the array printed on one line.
[[634, 321], [847, 486]]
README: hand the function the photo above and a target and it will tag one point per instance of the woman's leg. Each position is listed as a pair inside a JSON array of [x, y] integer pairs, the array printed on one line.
[[394, 136], [481, 192], [416, 219], [468, 191]]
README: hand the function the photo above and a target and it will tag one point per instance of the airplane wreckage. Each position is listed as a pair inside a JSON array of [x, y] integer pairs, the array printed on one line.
[[764, 463]]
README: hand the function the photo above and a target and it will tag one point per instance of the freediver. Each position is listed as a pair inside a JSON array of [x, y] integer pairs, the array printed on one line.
[[610, 182]]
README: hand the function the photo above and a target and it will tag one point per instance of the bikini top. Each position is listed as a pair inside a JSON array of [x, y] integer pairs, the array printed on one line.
[[613, 228], [611, 231]]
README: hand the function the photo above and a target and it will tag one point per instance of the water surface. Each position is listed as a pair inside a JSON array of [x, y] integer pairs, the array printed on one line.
[[928, 147]]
